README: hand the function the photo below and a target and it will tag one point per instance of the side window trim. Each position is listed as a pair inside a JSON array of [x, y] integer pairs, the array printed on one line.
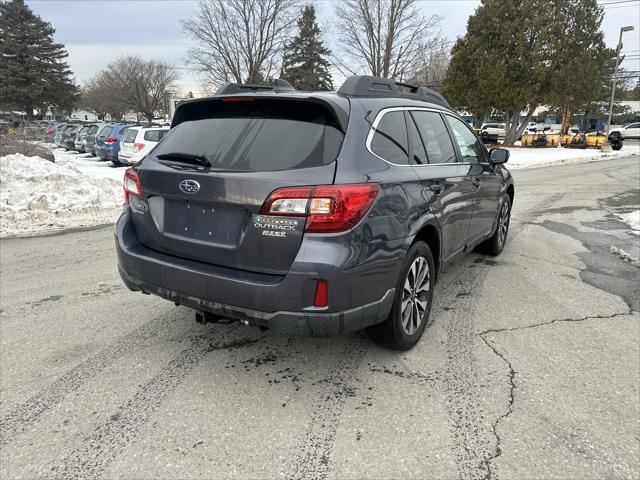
[[384, 111], [374, 129], [455, 143]]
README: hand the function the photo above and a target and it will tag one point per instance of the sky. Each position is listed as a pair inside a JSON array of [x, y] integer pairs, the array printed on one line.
[[96, 32]]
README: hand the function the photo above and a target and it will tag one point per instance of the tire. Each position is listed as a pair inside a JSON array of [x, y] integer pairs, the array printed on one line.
[[495, 244], [394, 333], [616, 145]]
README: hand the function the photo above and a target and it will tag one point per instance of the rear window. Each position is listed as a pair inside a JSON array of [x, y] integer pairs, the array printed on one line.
[[154, 135], [130, 136], [258, 136], [106, 132]]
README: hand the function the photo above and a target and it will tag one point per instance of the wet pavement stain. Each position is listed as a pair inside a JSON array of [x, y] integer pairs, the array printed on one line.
[[604, 270]]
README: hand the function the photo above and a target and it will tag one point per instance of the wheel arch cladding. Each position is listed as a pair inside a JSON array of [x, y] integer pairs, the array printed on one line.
[[511, 193], [429, 234]]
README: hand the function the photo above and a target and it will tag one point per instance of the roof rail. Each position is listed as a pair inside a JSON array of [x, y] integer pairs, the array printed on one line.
[[232, 88], [368, 86]]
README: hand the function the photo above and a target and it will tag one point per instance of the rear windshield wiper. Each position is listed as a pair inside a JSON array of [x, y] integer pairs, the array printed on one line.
[[185, 157]]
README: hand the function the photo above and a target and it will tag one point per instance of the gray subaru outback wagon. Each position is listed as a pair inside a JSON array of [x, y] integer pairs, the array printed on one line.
[[312, 213]]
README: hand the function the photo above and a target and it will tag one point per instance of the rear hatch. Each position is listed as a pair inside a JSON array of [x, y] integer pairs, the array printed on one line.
[[205, 183], [104, 133], [127, 148]]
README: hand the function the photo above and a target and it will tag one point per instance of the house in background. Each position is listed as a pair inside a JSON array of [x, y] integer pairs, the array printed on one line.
[[83, 116]]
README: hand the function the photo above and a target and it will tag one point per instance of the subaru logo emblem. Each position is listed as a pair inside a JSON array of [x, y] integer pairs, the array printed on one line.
[[189, 186]]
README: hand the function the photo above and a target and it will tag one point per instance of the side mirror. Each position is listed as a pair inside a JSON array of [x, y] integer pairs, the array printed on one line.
[[498, 155]]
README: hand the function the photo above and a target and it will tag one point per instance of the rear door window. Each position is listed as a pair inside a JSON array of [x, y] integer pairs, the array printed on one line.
[[435, 136], [257, 136], [154, 135], [389, 141], [471, 148]]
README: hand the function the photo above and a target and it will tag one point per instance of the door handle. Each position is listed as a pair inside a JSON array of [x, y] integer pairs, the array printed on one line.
[[475, 181], [437, 187]]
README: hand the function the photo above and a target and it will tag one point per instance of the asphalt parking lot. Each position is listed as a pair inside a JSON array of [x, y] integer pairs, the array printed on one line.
[[530, 368]]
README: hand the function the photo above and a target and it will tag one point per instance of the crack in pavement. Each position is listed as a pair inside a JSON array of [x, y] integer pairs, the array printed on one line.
[[512, 377], [512, 387], [556, 320]]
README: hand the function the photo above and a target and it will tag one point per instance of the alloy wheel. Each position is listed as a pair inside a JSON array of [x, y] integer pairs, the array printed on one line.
[[415, 295], [503, 224]]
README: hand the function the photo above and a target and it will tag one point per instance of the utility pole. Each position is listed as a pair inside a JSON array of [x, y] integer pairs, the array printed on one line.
[[628, 28]]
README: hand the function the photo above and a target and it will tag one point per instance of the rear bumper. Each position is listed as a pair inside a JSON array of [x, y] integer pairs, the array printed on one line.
[[250, 297]]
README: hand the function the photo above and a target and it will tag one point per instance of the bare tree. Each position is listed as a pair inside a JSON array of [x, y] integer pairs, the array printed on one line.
[[383, 37], [142, 83], [432, 64], [240, 40], [102, 97]]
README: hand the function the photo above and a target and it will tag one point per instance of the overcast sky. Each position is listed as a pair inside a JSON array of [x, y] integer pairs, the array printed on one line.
[[96, 32]]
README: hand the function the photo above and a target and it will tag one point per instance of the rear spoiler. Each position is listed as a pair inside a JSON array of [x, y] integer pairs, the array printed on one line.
[[193, 108]]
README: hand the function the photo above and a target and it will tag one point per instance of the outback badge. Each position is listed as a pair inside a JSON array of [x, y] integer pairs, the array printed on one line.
[[189, 186]]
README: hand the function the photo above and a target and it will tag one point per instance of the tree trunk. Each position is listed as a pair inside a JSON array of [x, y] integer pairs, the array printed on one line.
[[512, 126], [532, 108], [566, 119], [478, 119]]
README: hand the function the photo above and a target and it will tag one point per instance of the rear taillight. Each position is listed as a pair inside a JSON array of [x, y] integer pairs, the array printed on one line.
[[131, 184], [328, 208], [49, 132], [138, 146], [110, 140]]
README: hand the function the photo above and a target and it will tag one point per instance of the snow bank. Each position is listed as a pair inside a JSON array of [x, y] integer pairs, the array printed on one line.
[[542, 157], [632, 219], [38, 196]]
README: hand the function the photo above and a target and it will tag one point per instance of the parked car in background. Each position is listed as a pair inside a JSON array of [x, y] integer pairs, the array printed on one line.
[[81, 137], [499, 129], [52, 131], [626, 132], [69, 136], [90, 138], [108, 142], [138, 141], [57, 139]]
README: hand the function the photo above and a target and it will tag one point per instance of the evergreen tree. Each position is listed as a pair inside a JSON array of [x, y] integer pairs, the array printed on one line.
[[33, 73], [579, 57], [304, 64], [519, 54]]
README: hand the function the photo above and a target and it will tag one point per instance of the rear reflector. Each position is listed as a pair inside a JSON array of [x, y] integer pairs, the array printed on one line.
[[321, 298], [131, 184], [328, 208]]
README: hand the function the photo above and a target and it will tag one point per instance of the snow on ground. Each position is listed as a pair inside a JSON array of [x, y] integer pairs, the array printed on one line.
[[632, 219], [542, 157], [37, 196], [627, 257]]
